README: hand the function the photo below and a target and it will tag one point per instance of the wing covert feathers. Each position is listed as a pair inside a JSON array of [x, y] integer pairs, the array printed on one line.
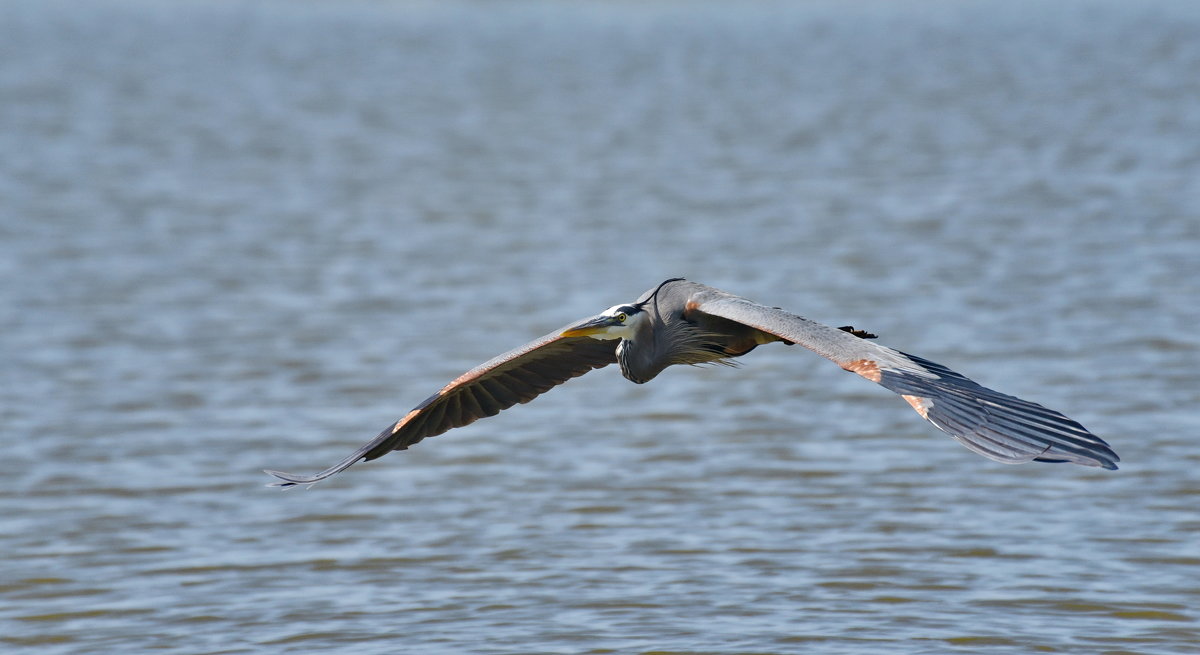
[[998, 426], [517, 376]]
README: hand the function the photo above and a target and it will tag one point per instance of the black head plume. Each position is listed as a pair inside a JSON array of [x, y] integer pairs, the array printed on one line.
[[656, 290]]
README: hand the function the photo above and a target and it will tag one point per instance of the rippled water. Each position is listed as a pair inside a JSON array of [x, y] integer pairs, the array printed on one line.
[[248, 235]]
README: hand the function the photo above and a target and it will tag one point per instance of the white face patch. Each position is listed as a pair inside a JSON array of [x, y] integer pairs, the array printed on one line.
[[616, 322], [627, 327]]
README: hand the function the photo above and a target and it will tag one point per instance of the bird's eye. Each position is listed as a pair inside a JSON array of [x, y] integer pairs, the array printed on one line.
[[621, 317]]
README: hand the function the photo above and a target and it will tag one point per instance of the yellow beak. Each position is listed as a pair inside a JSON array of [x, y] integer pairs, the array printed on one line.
[[591, 327]]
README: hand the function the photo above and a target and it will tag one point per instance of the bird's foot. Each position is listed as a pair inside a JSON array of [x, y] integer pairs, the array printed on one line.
[[861, 334]]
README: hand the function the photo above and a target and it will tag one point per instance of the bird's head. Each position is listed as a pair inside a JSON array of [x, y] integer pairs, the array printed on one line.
[[616, 322]]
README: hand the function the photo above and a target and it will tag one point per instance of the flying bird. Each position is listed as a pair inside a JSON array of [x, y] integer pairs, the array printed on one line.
[[682, 322]]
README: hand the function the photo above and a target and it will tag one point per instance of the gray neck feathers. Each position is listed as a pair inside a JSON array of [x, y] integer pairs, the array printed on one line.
[[663, 342]]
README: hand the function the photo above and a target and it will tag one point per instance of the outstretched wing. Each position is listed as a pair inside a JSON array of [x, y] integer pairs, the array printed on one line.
[[998, 426], [517, 376]]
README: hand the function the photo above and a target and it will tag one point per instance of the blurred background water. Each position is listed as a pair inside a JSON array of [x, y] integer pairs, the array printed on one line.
[[237, 235]]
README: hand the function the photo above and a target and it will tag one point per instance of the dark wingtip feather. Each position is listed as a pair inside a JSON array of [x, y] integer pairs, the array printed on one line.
[[288, 480], [1021, 436], [996, 425]]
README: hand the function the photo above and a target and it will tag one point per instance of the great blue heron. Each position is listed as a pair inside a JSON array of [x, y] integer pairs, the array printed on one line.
[[681, 322]]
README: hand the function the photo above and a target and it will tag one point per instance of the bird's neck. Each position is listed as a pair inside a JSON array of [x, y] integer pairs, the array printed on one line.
[[629, 357], [638, 354]]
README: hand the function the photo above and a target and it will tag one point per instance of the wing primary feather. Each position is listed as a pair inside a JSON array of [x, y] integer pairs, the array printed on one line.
[[498, 390], [435, 413], [286, 480], [517, 376], [470, 405], [993, 424]]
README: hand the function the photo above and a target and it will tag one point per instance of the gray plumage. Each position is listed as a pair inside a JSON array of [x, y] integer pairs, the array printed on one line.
[[681, 322]]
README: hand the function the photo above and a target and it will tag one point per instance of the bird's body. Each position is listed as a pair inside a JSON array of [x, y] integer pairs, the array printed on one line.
[[682, 322]]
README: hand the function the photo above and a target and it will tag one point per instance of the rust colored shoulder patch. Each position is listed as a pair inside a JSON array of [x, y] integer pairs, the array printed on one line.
[[866, 368], [920, 404]]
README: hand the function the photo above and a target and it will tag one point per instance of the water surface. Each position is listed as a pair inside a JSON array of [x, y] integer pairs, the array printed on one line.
[[247, 235]]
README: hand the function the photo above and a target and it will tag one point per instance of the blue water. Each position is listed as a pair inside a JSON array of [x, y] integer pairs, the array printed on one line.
[[237, 236]]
